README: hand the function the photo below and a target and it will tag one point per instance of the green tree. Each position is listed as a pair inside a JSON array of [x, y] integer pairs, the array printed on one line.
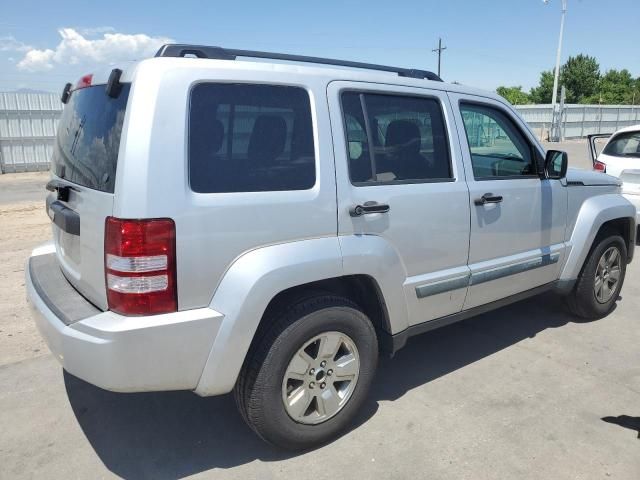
[[635, 93], [542, 93], [580, 75], [514, 95], [614, 88]]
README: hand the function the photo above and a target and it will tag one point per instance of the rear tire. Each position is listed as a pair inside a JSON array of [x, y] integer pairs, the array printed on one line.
[[598, 286], [279, 395]]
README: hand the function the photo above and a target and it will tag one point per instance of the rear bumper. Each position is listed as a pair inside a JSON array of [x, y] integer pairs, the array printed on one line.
[[118, 353]]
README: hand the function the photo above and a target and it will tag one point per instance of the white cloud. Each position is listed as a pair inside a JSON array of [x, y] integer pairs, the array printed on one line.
[[37, 60], [8, 43], [75, 48]]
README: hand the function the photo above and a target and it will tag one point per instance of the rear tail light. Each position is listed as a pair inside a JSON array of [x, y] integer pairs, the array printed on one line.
[[140, 266], [600, 167]]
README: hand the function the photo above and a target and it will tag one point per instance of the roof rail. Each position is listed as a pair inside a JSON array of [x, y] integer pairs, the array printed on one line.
[[219, 53]]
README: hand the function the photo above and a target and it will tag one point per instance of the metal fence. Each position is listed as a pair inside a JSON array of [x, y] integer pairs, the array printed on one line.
[[580, 120], [28, 123]]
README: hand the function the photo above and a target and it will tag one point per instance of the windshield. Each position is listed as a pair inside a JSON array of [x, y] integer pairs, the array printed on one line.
[[86, 149], [625, 144]]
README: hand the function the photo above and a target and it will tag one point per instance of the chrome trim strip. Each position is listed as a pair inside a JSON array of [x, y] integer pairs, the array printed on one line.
[[513, 269], [442, 286], [477, 278]]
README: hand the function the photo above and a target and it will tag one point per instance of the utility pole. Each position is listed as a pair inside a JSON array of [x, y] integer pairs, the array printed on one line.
[[439, 50]]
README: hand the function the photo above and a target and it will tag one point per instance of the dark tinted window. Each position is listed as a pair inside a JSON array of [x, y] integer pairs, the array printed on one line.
[[86, 150], [498, 148], [250, 138], [401, 139]]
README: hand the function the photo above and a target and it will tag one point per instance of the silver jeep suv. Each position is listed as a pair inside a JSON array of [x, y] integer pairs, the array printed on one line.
[[271, 227]]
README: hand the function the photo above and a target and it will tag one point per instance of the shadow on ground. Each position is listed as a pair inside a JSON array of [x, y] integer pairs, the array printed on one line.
[[171, 435], [625, 421]]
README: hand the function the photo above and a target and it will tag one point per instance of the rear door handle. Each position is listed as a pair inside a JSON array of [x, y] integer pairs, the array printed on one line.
[[488, 198], [367, 208]]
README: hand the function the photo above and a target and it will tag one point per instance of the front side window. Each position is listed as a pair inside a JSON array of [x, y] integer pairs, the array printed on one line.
[[250, 138], [498, 149], [624, 145], [395, 139]]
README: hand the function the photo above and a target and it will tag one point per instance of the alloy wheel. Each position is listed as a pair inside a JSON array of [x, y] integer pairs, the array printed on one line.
[[320, 378], [608, 273]]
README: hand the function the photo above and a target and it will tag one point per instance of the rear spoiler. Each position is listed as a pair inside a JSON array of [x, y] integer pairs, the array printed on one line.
[[113, 85]]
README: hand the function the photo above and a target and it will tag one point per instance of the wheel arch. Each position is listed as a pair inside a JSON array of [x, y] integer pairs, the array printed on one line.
[[623, 227], [261, 279], [361, 289], [598, 214]]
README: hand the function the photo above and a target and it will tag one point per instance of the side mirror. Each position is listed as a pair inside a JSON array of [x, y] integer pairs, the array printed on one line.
[[555, 164]]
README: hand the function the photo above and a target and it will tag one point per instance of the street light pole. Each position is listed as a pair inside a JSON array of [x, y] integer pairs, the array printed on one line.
[[556, 77], [557, 72]]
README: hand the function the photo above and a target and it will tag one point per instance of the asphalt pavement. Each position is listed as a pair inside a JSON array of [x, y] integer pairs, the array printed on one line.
[[524, 392]]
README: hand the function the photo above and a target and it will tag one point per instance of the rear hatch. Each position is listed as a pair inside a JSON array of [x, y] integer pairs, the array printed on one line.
[[83, 181], [621, 156]]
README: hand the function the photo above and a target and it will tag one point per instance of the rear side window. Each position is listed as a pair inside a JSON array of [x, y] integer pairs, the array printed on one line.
[[395, 139], [250, 138], [88, 139]]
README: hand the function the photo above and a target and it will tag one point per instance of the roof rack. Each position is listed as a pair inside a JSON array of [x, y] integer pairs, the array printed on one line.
[[219, 53]]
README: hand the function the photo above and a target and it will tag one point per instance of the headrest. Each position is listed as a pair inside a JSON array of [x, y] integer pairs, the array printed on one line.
[[267, 138], [403, 133]]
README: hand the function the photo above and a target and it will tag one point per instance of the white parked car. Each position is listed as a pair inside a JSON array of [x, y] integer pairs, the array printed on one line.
[[620, 157]]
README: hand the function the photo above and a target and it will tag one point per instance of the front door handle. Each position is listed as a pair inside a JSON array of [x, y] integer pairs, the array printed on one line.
[[488, 198], [367, 208]]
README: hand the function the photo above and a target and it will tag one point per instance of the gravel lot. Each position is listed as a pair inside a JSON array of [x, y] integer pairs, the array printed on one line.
[[523, 392], [23, 225]]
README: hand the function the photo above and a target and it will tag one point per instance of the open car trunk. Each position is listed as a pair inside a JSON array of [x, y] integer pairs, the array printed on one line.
[[596, 143]]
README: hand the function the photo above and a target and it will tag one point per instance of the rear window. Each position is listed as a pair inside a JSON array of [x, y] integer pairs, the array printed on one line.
[[250, 138], [624, 145], [86, 150]]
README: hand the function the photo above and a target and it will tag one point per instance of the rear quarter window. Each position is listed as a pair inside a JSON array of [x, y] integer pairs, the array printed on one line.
[[250, 138]]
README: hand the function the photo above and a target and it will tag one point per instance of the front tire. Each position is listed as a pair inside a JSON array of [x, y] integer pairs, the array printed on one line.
[[596, 291], [305, 380]]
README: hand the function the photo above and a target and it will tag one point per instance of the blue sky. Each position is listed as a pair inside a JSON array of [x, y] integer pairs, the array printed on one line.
[[489, 43]]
